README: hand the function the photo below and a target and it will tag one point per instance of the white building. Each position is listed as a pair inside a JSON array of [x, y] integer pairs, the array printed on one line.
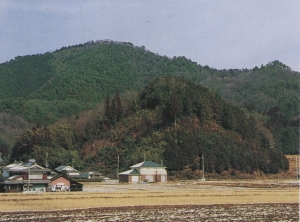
[[144, 171]]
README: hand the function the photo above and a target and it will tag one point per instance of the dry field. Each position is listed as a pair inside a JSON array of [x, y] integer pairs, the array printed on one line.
[[173, 201]]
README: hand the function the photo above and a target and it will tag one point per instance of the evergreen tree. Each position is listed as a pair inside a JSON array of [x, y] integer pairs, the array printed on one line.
[[119, 107], [107, 113], [175, 107], [113, 111]]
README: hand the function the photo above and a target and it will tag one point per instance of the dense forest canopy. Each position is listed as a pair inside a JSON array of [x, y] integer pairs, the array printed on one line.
[[171, 120], [91, 101]]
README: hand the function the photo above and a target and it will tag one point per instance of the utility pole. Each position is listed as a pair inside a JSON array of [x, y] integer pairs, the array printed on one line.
[[203, 178], [118, 166], [144, 156], [297, 167], [46, 164], [1, 164], [28, 180]]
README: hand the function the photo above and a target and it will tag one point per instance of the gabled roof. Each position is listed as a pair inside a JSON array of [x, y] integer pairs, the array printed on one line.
[[130, 172], [16, 163], [19, 166], [85, 175], [58, 176], [34, 167], [15, 177], [147, 164], [66, 168]]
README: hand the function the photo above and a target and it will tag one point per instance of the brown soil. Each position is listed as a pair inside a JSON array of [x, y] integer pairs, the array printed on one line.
[[224, 212], [222, 200]]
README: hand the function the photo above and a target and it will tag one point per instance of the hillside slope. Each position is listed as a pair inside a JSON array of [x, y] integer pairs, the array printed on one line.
[[45, 88], [87, 73], [170, 120]]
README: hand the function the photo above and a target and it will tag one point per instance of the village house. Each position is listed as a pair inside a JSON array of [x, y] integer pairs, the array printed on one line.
[[20, 177], [69, 171], [30, 177], [61, 183], [146, 171]]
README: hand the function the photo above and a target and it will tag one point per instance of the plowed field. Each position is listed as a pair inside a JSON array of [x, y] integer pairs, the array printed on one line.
[[174, 201]]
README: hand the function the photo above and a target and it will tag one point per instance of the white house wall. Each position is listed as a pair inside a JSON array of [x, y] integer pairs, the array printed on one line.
[[152, 171]]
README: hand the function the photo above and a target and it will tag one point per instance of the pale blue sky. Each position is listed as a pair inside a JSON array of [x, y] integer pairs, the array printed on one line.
[[218, 33]]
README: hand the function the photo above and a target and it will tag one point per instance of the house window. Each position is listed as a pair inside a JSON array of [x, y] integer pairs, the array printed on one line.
[[35, 176]]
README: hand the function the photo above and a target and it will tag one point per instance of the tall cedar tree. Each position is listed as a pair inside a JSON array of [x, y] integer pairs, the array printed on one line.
[[113, 111], [119, 107], [107, 108], [176, 107]]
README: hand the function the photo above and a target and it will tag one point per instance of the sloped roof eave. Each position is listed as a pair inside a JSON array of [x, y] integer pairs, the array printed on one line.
[[130, 172], [66, 168]]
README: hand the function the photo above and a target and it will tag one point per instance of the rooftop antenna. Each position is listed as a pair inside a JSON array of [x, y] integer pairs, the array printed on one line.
[[0, 158], [203, 178], [144, 156]]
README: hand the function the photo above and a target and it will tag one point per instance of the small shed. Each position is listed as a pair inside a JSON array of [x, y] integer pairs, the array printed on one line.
[[75, 186], [60, 183], [130, 176]]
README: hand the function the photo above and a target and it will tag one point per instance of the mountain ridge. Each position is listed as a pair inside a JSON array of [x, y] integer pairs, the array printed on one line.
[[76, 80]]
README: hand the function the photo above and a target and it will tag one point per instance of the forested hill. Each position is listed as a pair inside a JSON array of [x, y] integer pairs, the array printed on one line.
[[171, 120], [42, 89]]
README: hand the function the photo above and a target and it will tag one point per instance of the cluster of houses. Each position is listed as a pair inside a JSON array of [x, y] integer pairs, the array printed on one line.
[[31, 177]]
